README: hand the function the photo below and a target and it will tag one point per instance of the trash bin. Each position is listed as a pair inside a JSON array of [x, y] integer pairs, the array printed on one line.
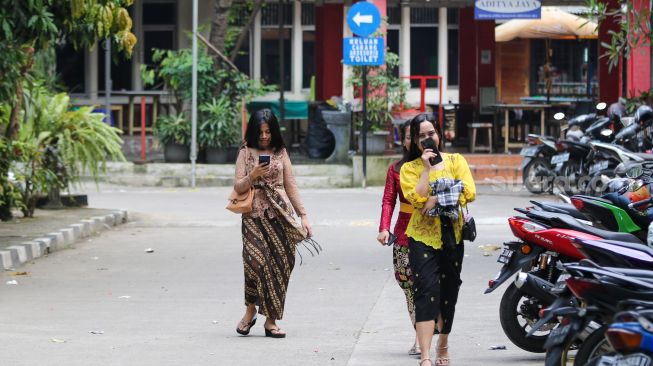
[[339, 124], [320, 141]]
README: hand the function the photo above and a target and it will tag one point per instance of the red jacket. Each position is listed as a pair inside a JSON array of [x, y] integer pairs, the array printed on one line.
[[392, 190]]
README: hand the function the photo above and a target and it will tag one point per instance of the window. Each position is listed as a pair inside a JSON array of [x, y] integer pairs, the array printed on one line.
[[70, 67], [308, 58], [424, 54], [270, 56], [159, 31], [394, 15], [392, 39], [121, 72], [270, 35], [424, 44], [308, 44], [452, 72], [569, 66]]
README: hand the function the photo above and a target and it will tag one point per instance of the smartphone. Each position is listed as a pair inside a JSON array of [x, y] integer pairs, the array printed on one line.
[[263, 159], [391, 239], [430, 144]]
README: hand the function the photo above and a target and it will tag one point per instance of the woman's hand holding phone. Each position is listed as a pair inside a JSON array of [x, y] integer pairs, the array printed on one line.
[[260, 170], [430, 154]]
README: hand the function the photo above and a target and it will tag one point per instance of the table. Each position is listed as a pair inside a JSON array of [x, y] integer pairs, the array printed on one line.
[[507, 107], [294, 109], [132, 94], [555, 100]]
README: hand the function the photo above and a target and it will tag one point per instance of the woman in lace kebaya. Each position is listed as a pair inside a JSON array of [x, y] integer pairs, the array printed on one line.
[[270, 232], [435, 232], [392, 191]]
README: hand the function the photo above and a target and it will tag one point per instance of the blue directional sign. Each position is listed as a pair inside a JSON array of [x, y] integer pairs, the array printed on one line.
[[363, 18], [363, 51]]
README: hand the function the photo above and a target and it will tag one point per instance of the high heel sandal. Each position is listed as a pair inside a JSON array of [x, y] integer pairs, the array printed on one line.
[[426, 359], [442, 361], [414, 350], [274, 332], [247, 326]]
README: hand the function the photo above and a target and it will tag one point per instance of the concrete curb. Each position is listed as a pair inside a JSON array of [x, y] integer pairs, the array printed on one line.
[[16, 255]]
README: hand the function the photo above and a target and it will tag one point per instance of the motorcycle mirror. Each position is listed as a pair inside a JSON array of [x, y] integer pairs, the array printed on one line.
[[627, 121], [606, 132], [601, 106], [634, 172], [559, 116], [635, 185]]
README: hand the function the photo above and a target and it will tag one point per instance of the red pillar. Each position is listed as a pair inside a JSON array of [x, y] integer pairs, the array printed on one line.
[[467, 85], [639, 62], [610, 83], [328, 50], [477, 56]]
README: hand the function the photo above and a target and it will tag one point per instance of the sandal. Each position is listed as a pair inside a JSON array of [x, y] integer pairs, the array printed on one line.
[[426, 359], [274, 333], [244, 328], [414, 350], [442, 361]]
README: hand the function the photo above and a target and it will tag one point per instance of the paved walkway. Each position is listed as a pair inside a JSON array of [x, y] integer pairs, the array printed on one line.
[[109, 302]]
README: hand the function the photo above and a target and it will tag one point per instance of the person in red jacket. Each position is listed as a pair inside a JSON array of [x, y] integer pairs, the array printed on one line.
[[403, 274]]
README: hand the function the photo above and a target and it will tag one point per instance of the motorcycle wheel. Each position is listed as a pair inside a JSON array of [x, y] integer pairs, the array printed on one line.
[[563, 355], [571, 171], [534, 183], [594, 346], [595, 187], [510, 314]]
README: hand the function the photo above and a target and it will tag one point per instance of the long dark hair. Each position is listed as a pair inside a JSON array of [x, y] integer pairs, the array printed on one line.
[[405, 152], [254, 129], [414, 151]]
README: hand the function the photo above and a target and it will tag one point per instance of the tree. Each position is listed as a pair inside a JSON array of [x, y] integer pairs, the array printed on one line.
[[633, 28], [226, 37], [29, 26], [27, 29]]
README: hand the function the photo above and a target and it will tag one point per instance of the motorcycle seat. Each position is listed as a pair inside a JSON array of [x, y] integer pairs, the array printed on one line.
[[577, 143], [648, 157], [561, 208], [634, 246], [573, 224]]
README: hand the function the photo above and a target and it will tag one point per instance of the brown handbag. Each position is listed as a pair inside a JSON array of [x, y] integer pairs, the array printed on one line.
[[241, 203]]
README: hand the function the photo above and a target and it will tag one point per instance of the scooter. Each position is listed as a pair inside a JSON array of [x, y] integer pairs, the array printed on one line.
[[535, 166], [631, 337]]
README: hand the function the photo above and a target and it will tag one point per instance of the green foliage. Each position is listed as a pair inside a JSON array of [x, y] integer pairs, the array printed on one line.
[[219, 95], [73, 141], [29, 26], [175, 70], [220, 127], [173, 129], [633, 28], [385, 89], [643, 98]]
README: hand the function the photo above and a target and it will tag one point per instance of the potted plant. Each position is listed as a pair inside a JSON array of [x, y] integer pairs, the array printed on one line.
[[174, 132], [219, 130], [384, 90]]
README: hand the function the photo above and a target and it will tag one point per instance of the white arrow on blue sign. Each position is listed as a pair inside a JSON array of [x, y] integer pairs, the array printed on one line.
[[363, 18]]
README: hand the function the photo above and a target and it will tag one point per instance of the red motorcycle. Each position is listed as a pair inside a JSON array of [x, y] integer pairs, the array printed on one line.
[[546, 238]]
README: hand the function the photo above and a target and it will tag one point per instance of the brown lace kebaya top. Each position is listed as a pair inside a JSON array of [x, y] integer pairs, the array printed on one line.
[[280, 178]]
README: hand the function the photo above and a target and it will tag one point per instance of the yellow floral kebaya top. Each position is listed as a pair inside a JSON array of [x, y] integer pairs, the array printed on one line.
[[424, 228]]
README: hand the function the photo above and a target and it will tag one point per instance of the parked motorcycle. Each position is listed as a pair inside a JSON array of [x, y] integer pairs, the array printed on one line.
[[536, 165]]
